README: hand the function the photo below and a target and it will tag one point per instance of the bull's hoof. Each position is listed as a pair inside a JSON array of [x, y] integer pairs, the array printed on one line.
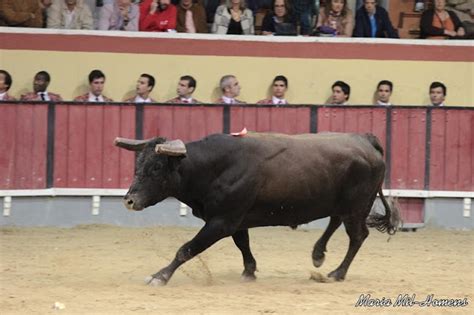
[[248, 277], [155, 282], [337, 275], [318, 261]]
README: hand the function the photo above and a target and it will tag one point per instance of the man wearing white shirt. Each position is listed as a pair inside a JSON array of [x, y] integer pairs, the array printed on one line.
[[230, 90], [40, 84], [185, 90], [341, 91], [384, 91], [145, 85], [96, 84], [437, 93], [279, 87]]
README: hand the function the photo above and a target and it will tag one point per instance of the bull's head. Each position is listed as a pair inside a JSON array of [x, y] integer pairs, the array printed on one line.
[[156, 170]]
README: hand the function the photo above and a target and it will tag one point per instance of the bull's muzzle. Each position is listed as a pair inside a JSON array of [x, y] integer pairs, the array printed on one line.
[[130, 204]]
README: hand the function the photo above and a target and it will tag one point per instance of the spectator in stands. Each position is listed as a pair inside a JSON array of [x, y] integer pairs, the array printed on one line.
[[70, 14], [279, 21], [95, 6], [120, 15], [45, 5], [437, 93], [21, 13], [96, 87], [158, 16], [233, 17], [40, 86], [185, 90], [230, 90], [341, 91], [384, 91], [145, 85], [279, 87], [304, 10], [191, 17], [211, 7], [335, 19], [463, 9], [5, 85], [439, 23], [373, 21]]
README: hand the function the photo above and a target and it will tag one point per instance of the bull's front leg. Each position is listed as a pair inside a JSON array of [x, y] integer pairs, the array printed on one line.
[[211, 232], [241, 239]]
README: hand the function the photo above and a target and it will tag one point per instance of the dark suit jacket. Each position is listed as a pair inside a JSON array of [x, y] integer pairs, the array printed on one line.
[[384, 26]]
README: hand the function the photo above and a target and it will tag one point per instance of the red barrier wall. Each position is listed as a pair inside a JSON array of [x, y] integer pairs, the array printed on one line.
[[84, 152], [411, 210], [358, 120], [282, 119], [23, 136], [452, 150], [84, 155], [408, 148], [185, 123]]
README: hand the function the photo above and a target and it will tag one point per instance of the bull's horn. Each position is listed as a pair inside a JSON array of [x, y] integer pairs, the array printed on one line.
[[173, 148], [131, 144]]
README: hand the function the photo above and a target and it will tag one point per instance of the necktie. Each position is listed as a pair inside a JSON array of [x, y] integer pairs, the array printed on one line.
[[280, 102], [43, 98], [97, 99], [185, 101]]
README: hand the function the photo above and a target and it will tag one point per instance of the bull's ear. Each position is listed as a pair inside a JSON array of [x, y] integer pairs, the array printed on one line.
[[172, 148], [131, 144]]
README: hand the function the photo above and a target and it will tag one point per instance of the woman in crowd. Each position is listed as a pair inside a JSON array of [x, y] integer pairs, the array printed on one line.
[[439, 23], [280, 21], [233, 17], [336, 19]]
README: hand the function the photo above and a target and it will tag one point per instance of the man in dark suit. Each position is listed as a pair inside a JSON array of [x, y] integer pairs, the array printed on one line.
[[373, 21]]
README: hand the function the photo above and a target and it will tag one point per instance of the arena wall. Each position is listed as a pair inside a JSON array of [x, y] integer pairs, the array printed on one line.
[[311, 64], [429, 151]]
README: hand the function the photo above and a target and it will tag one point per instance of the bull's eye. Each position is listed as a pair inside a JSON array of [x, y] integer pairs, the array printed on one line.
[[156, 169]]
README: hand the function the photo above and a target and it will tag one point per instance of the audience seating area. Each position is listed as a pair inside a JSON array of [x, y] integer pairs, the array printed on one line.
[[402, 13]]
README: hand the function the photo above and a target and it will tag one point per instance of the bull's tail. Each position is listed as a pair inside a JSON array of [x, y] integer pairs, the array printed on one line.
[[388, 222]]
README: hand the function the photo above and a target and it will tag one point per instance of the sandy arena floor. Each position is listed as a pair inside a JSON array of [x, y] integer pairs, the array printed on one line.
[[100, 270]]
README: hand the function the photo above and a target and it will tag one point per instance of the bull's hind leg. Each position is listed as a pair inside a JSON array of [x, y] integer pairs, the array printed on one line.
[[211, 232], [357, 230], [320, 246], [241, 239]]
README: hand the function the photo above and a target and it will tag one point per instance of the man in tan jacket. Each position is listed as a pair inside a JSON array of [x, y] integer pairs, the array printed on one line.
[[21, 13], [70, 14]]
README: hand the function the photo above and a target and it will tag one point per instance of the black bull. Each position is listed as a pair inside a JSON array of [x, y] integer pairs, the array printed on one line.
[[236, 183]]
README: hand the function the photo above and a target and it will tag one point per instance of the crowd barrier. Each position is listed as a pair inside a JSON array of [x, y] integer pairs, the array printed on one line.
[[70, 145]]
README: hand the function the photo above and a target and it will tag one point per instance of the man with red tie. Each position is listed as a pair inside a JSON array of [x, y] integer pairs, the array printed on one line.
[[185, 90], [40, 93], [230, 88], [279, 87]]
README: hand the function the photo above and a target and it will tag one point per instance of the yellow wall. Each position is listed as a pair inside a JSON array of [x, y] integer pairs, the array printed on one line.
[[309, 79]]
